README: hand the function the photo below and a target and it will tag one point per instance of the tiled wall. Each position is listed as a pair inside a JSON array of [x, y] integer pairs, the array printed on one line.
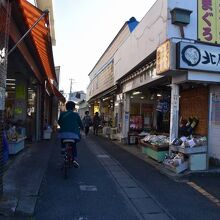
[[194, 102]]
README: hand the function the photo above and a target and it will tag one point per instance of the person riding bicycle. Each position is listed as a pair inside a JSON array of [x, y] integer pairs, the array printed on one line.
[[70, 125]]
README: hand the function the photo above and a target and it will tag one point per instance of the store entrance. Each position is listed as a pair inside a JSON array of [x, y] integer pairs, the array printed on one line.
[[150, 110]]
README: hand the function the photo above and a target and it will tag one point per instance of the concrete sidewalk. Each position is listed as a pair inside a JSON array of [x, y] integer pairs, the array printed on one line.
[[136, 150], [23, 177]]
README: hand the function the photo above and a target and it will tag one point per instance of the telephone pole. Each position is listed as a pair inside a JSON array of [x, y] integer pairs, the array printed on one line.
[[71, 85], [71, 88]]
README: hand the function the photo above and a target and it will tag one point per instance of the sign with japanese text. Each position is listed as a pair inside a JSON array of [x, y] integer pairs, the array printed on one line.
[[208, 21], [163, 58], [215, 116], [198, 57]]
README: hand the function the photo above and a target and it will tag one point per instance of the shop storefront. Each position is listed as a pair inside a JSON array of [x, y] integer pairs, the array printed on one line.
[[26, 105]]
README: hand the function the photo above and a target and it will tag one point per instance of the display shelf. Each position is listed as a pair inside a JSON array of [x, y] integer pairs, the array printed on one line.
[[192, 150], [47, 135], [178, 169], [197, 156], [15, 146], [156, 152]]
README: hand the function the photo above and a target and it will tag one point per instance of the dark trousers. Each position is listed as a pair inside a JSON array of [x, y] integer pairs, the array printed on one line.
[[86, 130], [95, 130], [73, 146], [159, 121]]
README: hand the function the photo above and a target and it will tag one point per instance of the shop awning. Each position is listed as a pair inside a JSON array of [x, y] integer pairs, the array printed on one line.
[[41, 36], [109, 92], [57, 93]]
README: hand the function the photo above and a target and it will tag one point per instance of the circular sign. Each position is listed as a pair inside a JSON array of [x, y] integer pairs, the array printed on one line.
[[191, 55]]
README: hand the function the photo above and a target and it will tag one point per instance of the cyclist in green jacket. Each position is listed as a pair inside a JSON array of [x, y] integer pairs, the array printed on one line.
[[70, 125]]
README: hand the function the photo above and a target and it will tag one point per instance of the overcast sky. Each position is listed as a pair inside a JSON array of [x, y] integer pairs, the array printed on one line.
[[84, 29]]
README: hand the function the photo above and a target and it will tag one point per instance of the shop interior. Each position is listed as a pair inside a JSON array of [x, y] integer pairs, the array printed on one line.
[[188, 151]]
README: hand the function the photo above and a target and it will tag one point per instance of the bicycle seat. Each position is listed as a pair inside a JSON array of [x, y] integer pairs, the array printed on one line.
[[69, 141]]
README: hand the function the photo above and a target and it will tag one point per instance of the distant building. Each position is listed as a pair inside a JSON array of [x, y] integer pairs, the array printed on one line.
[[82, 107], [77, 96]]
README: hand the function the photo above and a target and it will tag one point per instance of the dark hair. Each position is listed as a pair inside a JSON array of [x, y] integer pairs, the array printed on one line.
[[86, 112], [70, 105]]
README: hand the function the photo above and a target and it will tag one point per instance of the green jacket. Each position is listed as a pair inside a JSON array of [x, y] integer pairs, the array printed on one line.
[[70, 121]]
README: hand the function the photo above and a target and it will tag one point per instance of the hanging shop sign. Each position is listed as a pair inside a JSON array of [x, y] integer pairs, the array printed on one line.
[[198, 57], [163, 58], [209, 21]]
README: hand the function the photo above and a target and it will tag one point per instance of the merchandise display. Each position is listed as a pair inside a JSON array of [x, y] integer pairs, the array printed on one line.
[[174, 159], [159, 140], [190, 141], [15, 137], [187, 153], [155, 146]]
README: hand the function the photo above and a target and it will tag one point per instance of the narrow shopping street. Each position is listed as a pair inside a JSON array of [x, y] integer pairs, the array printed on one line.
[[113, 184]]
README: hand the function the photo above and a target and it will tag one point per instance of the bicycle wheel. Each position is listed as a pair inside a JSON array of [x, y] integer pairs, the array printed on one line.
[[65, 161]]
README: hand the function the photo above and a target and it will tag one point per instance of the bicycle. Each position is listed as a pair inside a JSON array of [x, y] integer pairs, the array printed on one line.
[[68, 155]]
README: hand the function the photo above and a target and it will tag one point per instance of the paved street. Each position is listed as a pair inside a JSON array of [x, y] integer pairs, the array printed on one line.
[[114, 184]]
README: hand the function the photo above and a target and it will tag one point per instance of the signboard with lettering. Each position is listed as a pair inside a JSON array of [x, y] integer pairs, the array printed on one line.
[[198, 57], [208, 21], [215, 116], [163, 58]]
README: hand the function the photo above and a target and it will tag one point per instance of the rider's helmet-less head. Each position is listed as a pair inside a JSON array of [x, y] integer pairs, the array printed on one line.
[[70, 105]]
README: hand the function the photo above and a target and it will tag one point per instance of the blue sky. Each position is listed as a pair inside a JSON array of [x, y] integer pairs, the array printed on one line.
[[84, 29]]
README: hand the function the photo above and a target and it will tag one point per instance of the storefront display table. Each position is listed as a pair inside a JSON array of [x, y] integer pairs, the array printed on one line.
[[47, 134], [178, 169], [157, 152], [113, 133], [16, 146], [197, 156]]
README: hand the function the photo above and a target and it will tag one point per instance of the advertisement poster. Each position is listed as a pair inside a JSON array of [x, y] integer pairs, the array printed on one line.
[[208, 21]]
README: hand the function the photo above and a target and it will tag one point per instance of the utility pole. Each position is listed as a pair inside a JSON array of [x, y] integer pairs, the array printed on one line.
[[71, 84], [71, 87]]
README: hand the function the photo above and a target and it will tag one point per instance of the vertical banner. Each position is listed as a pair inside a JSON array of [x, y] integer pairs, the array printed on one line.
[[218, 20], [215, 115], [207, 21]]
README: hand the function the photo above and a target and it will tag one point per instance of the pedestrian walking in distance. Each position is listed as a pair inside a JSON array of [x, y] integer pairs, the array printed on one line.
[[87, 122], [96, 123]]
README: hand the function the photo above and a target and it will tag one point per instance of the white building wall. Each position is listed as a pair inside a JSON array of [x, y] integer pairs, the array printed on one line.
[[144, 40], [190, 30], [214, 126], [154, 29]]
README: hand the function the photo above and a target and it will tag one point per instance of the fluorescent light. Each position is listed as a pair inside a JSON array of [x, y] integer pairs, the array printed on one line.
[[132, 97], [142, 97], [159, 95], [136, 93]]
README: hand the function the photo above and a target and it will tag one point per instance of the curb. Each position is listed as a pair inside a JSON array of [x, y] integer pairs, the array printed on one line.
[[176, 177]]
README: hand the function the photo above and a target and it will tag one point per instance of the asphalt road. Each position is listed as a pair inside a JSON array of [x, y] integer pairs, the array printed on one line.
[[180, 199], [112, 184], [88, 193]]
